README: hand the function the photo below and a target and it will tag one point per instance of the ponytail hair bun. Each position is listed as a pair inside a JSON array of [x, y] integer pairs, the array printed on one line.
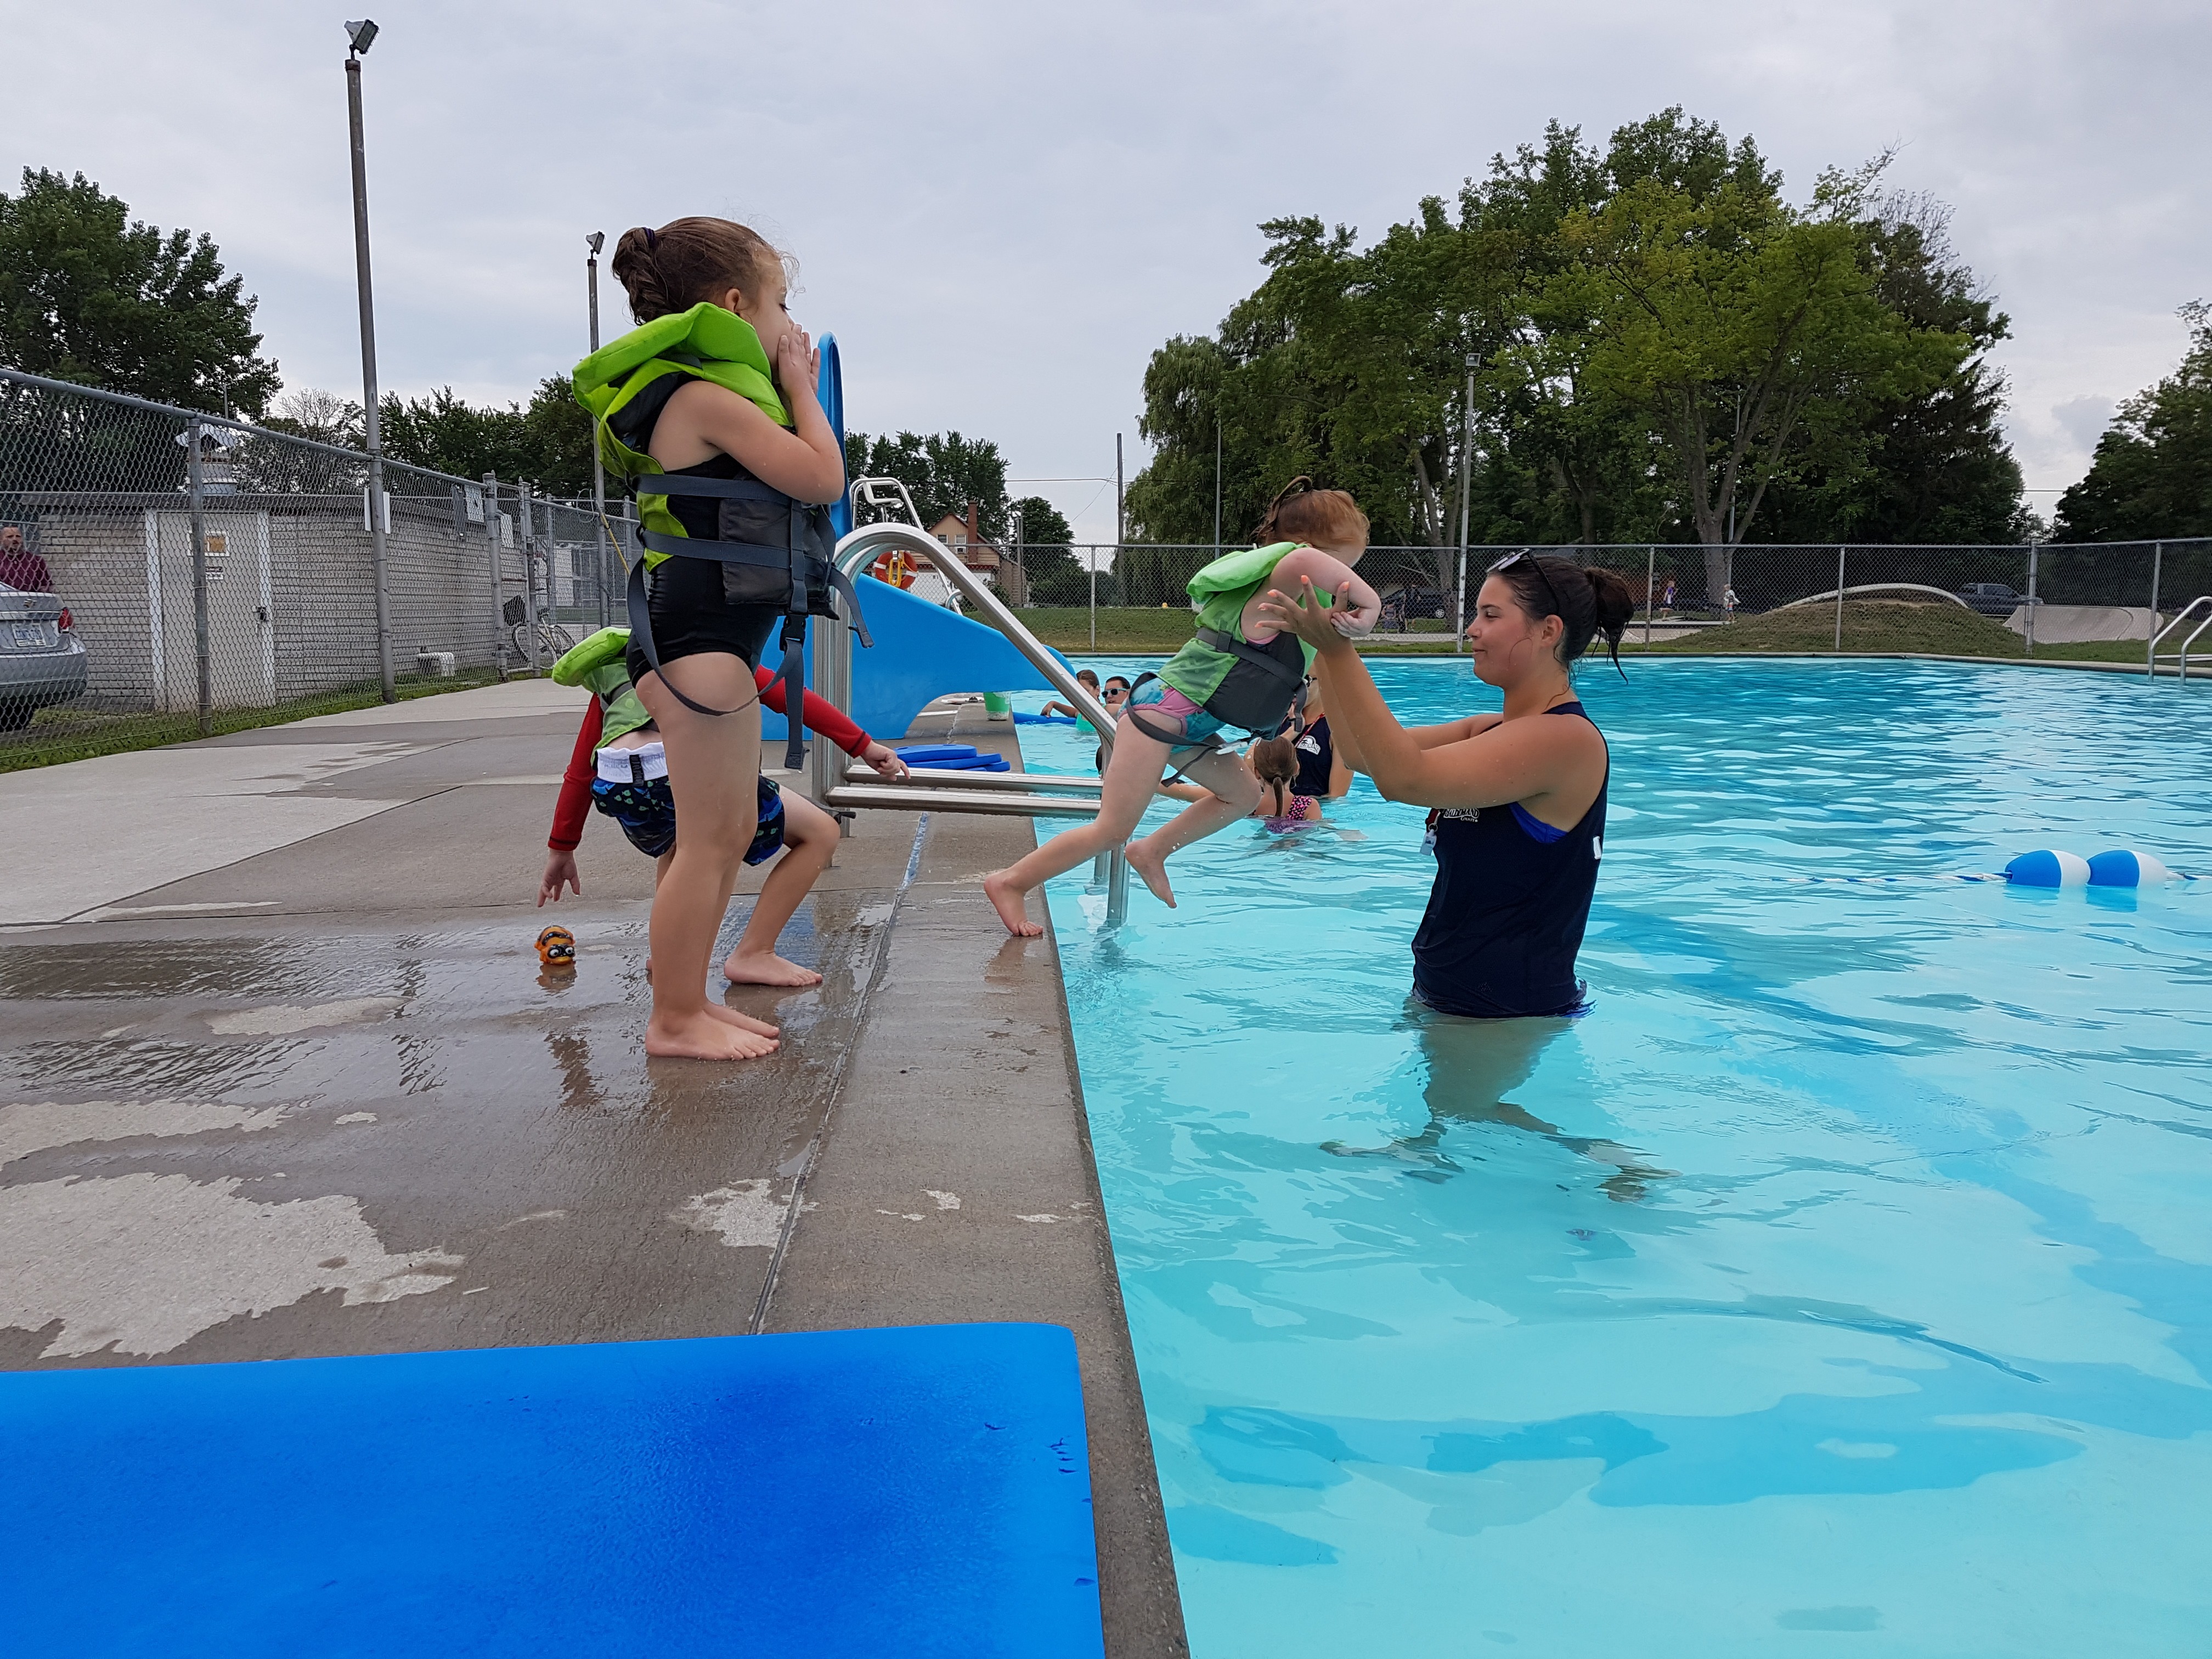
[[1275, 761], [1589, 601], [688, 260]]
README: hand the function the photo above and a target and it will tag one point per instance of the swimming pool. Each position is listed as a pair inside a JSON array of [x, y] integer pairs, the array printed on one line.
[[1843, 1283]]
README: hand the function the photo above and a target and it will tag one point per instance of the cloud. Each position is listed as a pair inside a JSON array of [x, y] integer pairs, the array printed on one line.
[[2084, 419], [1001, 208]]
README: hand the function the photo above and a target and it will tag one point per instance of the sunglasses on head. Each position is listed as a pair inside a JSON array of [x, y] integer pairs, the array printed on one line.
[[1520, 556]]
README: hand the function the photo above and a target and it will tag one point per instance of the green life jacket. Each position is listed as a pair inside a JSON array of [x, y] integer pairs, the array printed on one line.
[[774, 550], [601, 662], [627, 383], [1251, 687]]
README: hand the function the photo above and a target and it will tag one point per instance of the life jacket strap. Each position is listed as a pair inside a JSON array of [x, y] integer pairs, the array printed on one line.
[[1177, 741], [735, 489], [1246, 652]]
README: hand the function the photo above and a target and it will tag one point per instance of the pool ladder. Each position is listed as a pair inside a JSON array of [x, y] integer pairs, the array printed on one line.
[[844, 785], [2180, 659]]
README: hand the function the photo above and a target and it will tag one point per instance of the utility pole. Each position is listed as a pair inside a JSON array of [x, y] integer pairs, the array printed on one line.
[[1217, 484], [1465, 492], [358, 37], [595, 241], [1120, 531]]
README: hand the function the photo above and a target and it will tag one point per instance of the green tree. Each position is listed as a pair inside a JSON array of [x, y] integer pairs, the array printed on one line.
[[1656, 337], [548, 443], [943, 472], [1938, 467], [1749, 335], [88, 293], [2151, 479]]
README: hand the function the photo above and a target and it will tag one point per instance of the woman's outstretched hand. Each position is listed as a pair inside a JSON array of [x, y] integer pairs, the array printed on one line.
[[1305, 616]]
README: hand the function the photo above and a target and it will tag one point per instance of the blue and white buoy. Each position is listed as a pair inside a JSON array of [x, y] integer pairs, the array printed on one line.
[[2046, 868], [2124, 868]]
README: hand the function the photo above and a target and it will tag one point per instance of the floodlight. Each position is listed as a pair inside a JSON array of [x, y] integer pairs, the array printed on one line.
[[595, 241], [361, 35]]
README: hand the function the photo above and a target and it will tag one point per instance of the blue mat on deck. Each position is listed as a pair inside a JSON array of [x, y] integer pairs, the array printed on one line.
[[921, 1491]]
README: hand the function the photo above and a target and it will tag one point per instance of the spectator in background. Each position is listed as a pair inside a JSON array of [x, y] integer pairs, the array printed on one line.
[[21, 568]]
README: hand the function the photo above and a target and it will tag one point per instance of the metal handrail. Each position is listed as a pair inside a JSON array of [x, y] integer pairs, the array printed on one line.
[[2179, 658], [833, 667], [950, 777], [833, 664]]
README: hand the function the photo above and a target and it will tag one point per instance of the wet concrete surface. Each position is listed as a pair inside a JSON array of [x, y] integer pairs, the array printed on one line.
[[318, 1099]]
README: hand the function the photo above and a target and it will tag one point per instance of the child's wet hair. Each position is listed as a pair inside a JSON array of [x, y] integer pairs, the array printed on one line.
[[688, 260], [1085, 676], [1323, 518], [1274, 761]]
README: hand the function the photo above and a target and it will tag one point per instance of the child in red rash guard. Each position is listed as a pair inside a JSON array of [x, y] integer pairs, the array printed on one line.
[[627, 778]]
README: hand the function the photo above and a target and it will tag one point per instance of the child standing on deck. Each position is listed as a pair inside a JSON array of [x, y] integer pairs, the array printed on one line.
[[1238, 670], [620, 766], [709, 407]]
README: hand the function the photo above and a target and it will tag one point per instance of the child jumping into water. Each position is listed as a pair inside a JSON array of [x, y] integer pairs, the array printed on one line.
[[1237, 672]]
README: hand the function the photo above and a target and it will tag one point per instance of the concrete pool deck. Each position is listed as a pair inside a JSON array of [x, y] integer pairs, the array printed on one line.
[[284, 1079]]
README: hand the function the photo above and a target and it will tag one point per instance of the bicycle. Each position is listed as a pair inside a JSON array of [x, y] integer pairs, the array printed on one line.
[[553, 639]]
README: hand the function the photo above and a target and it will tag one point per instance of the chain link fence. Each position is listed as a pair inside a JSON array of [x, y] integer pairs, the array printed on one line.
[[1680, 590], [165, 573]]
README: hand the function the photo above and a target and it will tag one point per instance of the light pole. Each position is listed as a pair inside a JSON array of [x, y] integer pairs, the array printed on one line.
[[1466, 487], [595, 241], [359, 38], [1217, 482]]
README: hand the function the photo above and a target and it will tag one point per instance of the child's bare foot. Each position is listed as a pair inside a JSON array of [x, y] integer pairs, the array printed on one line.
[[767, 968], [699, 1036], [1009, 902], [723, 1011], [1153, 867]]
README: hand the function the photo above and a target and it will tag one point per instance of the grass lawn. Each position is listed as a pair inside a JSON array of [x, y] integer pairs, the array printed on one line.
[[1882, 625], [69, 733]]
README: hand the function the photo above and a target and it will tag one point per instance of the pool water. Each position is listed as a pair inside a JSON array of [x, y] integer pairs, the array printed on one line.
[[1843, 1282]]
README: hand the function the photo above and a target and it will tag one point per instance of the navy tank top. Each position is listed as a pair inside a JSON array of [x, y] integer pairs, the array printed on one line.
[[1317, 761], [1506, 915]]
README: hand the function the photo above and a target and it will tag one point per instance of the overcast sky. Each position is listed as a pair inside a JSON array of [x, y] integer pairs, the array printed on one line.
[[1001, 208]]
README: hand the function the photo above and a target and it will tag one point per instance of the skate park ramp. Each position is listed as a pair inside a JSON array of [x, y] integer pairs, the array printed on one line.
[[2077, 624]]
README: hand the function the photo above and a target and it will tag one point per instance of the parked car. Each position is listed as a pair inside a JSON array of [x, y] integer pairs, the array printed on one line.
[[41, 659], [1993, 598]]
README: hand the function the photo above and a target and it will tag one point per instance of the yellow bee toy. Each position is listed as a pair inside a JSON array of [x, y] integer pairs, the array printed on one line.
[[557, 947]]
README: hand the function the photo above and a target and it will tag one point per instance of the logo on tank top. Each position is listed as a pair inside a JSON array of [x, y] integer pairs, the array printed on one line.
[[1597, 847]]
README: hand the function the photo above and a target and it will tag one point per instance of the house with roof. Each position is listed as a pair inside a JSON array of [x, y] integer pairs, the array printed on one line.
[[964, 534]]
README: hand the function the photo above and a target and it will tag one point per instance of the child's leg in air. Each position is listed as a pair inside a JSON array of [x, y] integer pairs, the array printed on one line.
[[810, 837], [1133, 775], [1233, 792], [714, 768]]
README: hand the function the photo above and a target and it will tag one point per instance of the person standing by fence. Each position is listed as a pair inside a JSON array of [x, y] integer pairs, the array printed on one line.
[[21, 568]]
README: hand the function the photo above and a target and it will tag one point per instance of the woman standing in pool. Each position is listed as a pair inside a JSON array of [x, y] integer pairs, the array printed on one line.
[[1517, 799], [717, 383]]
